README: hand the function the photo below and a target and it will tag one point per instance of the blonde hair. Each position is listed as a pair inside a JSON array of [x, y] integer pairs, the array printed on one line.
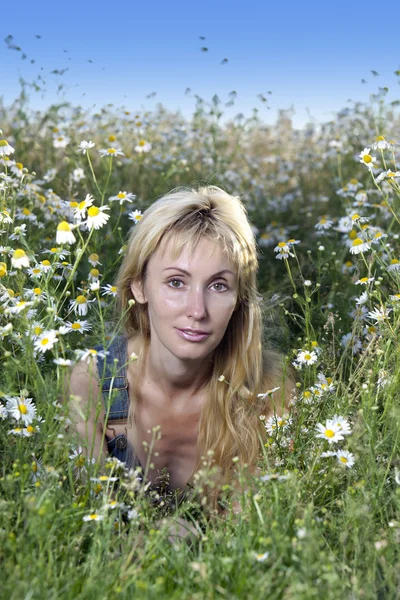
[[230, 425]]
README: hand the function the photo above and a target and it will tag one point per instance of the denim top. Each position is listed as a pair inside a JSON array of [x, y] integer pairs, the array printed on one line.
[[114, 386]]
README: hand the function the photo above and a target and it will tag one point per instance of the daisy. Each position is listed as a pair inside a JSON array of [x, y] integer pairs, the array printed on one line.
[[21, 408], [18, 232], [143, 147], [330, 432], [18, 307], [111, 152], [63, 362], [30, 430], [61, 141], [379, 314], [135, 216], [80, 305], [366, 159], [95, 286], [89, 353], [323, 224], [5, 148], [268, 393], [93, 517], [283, 251], [277, 423], [19, 259], [64, 233], [394, 265], [77, 175], [364, 280], [94, 259], [346, 458], [122, 197], [94, 275], [103, 479], [46, 341], [96, 217], [378, 236], [358, 246], [78, 325], [362, 299], [387, 175], [380, 143], [3, 269], [5, 217], [343, 424], [307, 358], [81, 208], [110, 290], [85, 146], [261, 557]]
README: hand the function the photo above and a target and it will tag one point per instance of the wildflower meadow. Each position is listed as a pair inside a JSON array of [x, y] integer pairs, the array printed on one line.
[[323, 518]]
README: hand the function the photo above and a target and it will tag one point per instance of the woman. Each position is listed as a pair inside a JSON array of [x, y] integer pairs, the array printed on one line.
[[187, 288]]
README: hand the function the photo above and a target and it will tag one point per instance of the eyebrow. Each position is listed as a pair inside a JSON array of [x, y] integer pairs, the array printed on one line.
[[187, 272]]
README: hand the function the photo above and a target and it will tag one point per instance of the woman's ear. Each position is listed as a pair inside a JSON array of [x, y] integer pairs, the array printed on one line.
[[137, 290]]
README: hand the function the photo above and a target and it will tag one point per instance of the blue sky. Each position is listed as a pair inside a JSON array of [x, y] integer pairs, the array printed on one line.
[[310, 55]]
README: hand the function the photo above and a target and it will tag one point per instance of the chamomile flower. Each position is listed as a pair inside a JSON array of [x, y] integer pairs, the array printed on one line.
[[389, 175], [63, 362], [283, 251], [18, 307], [19, 259], [143, 147], [3, 269], [379, 314], [380, 143], [345, 458], [93, 517], [80, 305], [77, 175], [64, 233], [135, 216], [110, 290], [122, 197], [84, 146], [21, 409], [81, 208], [111, 152], [94, 275], [94, 259], [394, 265], [78, 326], [323, 224], [97, 217], [61, 141], [364, 280], [362, 299], [306, 357], [358, 246], [330, 431], [261, 557], [90, 353], [366, 159], [276, 423], [344, 426], [46, 341], [5, 148]]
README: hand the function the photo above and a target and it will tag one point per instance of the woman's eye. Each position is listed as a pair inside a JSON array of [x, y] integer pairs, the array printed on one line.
[[174, 280], [177, 287]]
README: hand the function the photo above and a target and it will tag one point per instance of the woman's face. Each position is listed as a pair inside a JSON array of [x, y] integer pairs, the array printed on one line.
[[196, 291]]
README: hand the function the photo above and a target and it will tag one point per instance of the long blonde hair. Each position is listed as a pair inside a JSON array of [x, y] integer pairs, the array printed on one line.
[[230, 425]]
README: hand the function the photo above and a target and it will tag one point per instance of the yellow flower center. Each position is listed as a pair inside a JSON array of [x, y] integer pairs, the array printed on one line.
[[329, 380], [314, 344], [73, 204], [394, 261], [82, 204], [93, 211], [3, 269], [55, 130], [343, 459], [19, 253], [38, 330], [26, 211], [22, 409], [76, 326], [329, 433], [353, 181], [93, 352], [323, 221], [355, 217], [10, 292], [93, 517], [353, 234], [94, 257], [111, 138], [380, 138], [113, 289], [103, 478], [378, 235], [390, 174], [357, 242], [111, 150], [94, 272], [363, 279], [282, 245], [47, 263], [81, 300], [307, 356], [44, 341], [348, 263], [19, 166], [64, 226], [37, 291], [307, 394], [367, 158], [121, 195], [142, 143], [3, 143]]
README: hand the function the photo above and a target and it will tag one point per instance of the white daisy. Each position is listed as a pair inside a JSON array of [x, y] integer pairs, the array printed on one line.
[[18, 307], [85, 146], [358, 245], [111, 152], [109, 290], [81, 208], [80, 305], [61, 141], [394, 265], [79, 326], [330, 432], [366, 159], [379, 314], [261, 557], [122, 197], [343, 424], [276, 423], [143, 147], [365, 280], [63, 362], [306, 357], [19, 259], [380, 143], [94, 259], [64, 233], [21, 408], [5, 148], [97, 217], [46, 341], [89, 354], [135, 216], [345, 458], [93, 517]]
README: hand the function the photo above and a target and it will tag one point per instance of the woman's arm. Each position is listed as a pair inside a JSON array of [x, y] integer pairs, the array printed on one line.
[[81, 390]]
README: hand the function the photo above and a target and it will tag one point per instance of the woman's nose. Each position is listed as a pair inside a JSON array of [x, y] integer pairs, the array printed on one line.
[[196, 304]]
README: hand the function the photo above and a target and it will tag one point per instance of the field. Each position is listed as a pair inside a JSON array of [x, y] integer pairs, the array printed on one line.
[[323, 519]]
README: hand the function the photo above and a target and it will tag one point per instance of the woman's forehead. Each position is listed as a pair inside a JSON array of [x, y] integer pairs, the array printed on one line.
[[206, 249]]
